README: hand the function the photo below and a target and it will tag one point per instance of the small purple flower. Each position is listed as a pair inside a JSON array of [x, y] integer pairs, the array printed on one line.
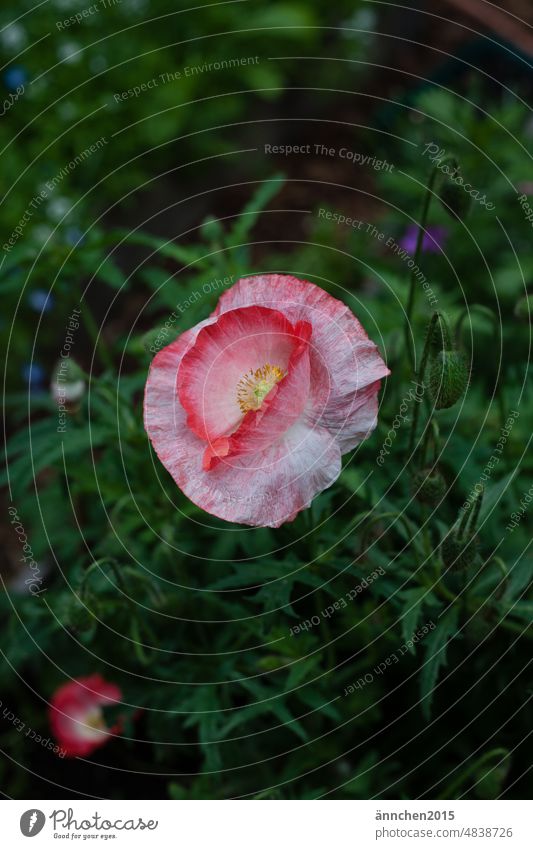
[[33, 374], [433, 241], [40, 300], [15, 77]]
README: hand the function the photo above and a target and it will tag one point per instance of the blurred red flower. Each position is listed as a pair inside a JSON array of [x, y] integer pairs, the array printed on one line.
[[76, 715]]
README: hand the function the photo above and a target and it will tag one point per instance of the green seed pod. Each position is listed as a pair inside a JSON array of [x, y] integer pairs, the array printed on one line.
[[454, 197], [439, 334], [448, 379], [429, 486], [458, 553], [524, 308]]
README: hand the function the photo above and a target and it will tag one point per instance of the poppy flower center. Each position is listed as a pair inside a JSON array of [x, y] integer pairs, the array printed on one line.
[[253, 388]]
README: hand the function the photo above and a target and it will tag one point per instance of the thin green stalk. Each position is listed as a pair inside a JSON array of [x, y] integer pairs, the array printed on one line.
[[418, 250], [96, 337], [420, 378]]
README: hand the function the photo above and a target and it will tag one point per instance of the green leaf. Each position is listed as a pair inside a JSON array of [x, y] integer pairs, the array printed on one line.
[[435, 657], [251, 211], [493, 496], [412, 610]]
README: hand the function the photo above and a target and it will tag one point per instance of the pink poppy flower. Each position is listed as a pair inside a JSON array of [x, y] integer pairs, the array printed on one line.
[[251, 410], [76, 716]]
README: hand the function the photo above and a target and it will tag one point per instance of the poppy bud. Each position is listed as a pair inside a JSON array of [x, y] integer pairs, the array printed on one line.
[[77, 615], [459, 548], [440, 337], [458, 553], [455, 200], [448, 378], [81, 620], [429, 486], [68, 384], [524, 308], [453, 195]]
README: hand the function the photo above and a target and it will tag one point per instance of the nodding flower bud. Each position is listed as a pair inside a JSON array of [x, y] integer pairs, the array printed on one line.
[[453, 195], [524, 308], [439, 334], [429, 486], [68, 384], [448, 379], [459, 548], [77, 616]]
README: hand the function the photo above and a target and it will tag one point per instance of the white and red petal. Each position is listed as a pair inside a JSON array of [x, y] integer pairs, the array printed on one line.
[[264, 468], [344, 361], [76, 717], [240, 341], [266, 489], [281, 408]]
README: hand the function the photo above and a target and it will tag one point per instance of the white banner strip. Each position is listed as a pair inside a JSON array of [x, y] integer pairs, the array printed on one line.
[[268, 824]]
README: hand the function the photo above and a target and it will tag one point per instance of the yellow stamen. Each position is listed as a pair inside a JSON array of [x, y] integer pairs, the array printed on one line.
[[255, 386], [95, 720]]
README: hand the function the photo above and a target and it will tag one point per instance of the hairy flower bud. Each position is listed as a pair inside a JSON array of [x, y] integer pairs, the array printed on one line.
[[455, 200], [448, 378], [81, 620], [459, 548], [453, 195], [439, 334], [429, 486], [458, 553]]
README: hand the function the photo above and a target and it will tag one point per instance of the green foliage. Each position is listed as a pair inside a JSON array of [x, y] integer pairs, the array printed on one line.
[[194, 618]]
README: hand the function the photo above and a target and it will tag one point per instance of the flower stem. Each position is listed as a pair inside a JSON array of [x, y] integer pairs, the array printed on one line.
[[420, 378], [418, 250], [96, 337]]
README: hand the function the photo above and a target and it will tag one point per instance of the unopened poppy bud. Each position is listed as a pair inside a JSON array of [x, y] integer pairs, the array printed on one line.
[[524, 308], [68, 384], [429, 486], [448, 379], [459, 548], [458, 553], [76, 615], [81, 620], [440, 336], [453, 195]]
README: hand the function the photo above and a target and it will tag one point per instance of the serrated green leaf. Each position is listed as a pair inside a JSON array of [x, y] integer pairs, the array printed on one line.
[[435, 656]]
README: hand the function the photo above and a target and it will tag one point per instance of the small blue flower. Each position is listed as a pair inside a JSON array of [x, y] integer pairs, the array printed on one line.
[[33, 374], [15, 77], [40, 301], [74, 236]]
